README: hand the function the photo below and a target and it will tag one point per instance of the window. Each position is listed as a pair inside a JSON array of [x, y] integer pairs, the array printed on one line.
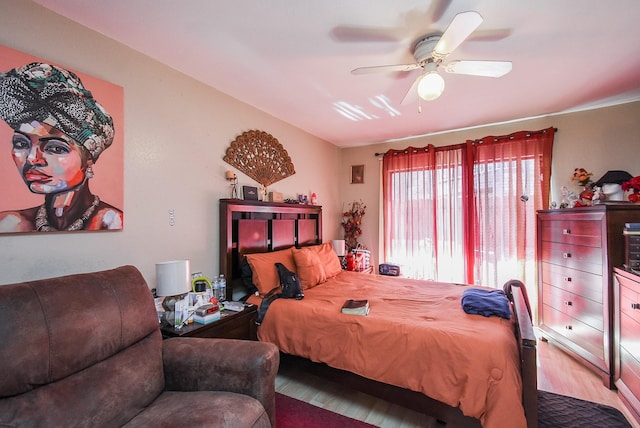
[[466, 213]]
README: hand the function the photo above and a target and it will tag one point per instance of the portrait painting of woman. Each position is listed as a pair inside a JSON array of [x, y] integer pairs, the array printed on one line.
[[58, 132]]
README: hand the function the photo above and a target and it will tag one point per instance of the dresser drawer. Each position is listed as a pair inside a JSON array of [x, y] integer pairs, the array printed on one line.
[[579, 232], [629, 297], [584, 336], [630, 337], [633, 243], [588, 259], [630, 371], [577, 307], [576, 281]]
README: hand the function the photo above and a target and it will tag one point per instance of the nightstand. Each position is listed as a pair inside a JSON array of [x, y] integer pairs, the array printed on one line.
[[231, 325]]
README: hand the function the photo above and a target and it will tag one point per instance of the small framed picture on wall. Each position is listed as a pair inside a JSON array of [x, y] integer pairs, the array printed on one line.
[[357, 174]]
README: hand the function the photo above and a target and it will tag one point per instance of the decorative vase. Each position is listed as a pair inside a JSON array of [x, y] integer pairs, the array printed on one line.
[[634, 197], [587, 195]]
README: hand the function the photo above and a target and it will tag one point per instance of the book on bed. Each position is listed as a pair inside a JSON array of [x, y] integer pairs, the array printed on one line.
[[355, 307]]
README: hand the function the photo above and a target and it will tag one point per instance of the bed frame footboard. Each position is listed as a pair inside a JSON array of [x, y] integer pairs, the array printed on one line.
[[527, 345]]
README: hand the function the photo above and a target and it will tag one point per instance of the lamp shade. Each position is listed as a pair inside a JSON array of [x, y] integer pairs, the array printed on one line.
[[430, 86], [339, 247], [173, 277]]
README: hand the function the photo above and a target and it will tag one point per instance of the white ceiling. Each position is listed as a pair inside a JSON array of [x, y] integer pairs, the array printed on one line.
[[292, 58]]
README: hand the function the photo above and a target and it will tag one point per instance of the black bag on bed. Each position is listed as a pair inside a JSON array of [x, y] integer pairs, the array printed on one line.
[[290, 288]]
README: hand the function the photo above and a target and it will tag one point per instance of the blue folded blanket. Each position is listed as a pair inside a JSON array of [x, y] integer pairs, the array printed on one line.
[[479, 301]]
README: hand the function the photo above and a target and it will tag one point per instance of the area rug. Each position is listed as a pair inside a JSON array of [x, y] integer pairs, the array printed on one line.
[[567, 412], [554, 411], [293, 413]]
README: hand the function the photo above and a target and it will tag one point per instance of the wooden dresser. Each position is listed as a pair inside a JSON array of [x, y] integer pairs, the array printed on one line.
[[577, 250], [627, 331]]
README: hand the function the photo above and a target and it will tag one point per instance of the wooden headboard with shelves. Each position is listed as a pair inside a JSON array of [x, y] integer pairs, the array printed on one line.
[[256, 227]]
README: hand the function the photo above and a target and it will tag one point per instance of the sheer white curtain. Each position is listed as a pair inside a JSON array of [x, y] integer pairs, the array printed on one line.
[[511, 182], [422, 190], [466, 213]]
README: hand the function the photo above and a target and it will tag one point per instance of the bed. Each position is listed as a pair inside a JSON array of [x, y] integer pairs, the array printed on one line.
[[416, 347]]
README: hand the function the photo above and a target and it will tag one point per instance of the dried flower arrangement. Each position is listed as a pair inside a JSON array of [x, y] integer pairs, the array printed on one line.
[[351, 221]]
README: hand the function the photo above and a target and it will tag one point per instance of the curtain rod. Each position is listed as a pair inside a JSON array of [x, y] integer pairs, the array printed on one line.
[[502, 137]]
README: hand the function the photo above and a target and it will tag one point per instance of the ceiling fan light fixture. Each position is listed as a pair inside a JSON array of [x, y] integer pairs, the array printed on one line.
[[431, 86]]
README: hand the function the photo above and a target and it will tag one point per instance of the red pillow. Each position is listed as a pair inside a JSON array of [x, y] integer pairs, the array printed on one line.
[[328, 258], [263, 268], [309, 268]]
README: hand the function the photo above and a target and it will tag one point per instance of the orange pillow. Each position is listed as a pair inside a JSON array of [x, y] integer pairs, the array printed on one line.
[[309, 268], [263, 268], [328, 259]]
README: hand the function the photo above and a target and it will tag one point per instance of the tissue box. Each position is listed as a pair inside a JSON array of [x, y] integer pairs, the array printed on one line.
[[207, 319], [275, 197]]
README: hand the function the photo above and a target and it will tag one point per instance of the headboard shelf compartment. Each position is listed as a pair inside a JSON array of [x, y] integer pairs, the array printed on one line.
[[254, 226]]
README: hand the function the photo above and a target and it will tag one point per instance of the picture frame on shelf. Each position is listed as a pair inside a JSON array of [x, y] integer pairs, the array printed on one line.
[[249, 193]]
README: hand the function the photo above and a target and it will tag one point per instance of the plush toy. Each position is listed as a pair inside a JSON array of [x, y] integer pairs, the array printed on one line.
[[569, 198]]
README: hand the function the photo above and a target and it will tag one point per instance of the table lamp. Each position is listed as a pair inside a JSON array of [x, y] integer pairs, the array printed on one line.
[[339, 247], [173, 281]]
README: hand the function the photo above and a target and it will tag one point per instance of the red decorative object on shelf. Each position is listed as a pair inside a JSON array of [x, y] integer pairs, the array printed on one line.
[[633, 185]]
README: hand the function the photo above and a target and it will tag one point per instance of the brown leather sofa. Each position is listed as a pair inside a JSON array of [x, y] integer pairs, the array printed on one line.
[[86, 350]]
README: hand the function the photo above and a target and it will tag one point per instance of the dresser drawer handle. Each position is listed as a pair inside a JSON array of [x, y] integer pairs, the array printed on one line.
[[566, 255], [568, 303], [568, 327], [635, 306], [566, 231], [567, 279]]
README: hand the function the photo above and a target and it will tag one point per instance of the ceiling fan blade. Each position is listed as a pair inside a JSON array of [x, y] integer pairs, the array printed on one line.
[[459, 29], [352, 34], [437, 9], [412, 94], [385, 68], [479, 68]]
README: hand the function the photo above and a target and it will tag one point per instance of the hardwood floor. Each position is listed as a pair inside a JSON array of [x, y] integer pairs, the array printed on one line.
[[557, 372]]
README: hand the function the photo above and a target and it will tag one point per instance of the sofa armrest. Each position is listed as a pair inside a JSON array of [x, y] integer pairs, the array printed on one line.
[[241, 366]]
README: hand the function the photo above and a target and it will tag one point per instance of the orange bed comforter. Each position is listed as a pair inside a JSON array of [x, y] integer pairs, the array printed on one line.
[[416, 336]]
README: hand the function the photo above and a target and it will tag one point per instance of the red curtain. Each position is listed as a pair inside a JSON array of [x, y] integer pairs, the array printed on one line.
[[466, 213]]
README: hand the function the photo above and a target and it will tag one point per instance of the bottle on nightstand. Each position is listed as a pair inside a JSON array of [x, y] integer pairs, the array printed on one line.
[[222, 288]]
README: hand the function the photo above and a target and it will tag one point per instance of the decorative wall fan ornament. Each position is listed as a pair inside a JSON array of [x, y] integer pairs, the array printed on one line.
[[259, 155]]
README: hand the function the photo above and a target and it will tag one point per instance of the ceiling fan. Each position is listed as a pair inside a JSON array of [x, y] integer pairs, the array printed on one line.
[[431, 50]]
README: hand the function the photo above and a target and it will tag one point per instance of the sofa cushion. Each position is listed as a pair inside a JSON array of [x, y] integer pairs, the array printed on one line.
[[203, 409], [81, 349], [44, 332], [108, 393]]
